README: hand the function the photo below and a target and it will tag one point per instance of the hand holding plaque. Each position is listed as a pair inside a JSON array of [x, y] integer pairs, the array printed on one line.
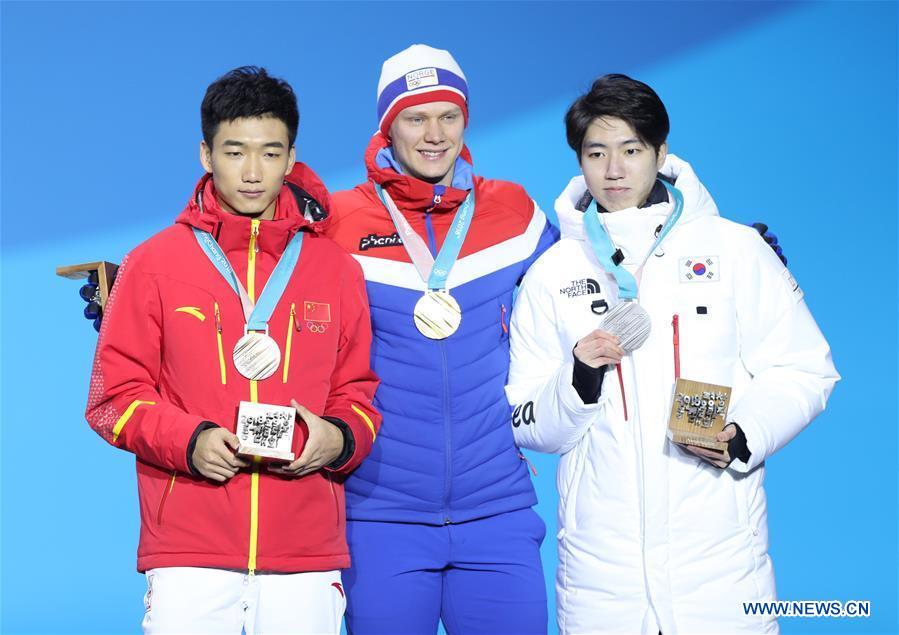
[[265, 431], [323, 445], [699, 415]]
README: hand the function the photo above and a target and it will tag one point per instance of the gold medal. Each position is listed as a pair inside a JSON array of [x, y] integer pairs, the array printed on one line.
[[437, 315], [256, 356]]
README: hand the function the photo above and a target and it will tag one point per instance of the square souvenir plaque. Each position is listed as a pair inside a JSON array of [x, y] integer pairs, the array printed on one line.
[[698, 413], [265, 431]]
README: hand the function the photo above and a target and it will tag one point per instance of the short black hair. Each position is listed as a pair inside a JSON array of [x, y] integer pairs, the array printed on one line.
[[248, 91], [617, 95]]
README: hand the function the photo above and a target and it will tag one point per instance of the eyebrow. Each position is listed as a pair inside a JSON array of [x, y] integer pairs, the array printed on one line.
[[240, 144], [597, 144]]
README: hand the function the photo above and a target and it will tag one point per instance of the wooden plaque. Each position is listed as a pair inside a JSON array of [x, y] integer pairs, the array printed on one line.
[[105, 273], [698, 413]]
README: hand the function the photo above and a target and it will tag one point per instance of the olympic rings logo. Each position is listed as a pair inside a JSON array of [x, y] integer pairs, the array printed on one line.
[[317, 327]]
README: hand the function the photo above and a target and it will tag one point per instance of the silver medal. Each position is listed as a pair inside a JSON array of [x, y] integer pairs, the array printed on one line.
[[437, 315], [630, 323], [256, 356]]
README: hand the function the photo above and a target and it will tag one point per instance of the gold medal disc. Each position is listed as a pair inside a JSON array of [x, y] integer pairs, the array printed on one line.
[[437, 315]]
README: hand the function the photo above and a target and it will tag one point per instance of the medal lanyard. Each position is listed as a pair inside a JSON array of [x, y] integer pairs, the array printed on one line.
[[604, 249], [433, 272], [257, 316]]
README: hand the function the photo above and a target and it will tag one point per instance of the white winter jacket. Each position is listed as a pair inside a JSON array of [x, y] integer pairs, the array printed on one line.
[[651, 537]]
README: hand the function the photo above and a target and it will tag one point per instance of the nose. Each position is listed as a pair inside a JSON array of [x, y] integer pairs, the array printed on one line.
[[615, 168], [252, 169], [434, 131]]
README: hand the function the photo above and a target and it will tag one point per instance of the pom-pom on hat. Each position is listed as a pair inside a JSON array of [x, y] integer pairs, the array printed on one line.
[[417, 75]]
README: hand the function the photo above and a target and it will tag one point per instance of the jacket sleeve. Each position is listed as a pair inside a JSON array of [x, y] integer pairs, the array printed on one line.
[[124, 405], [784, 351], [548, 415], [353, 382], [549, 235]]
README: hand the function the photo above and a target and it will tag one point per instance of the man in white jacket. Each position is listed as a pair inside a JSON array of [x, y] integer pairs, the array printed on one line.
[[656, 536]]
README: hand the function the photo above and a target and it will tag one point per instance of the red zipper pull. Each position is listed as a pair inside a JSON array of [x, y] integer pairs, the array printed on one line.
[[621, 385], [296, 322], [218, 319], [502, 319], [530, 465], [675, 326]]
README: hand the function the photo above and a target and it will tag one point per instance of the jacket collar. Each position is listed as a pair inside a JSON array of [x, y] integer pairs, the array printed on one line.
[[232, 231], [697, 203], [409, 193]]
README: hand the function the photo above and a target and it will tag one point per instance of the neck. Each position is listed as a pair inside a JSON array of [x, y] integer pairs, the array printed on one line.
[[267, 214], [445, 180]]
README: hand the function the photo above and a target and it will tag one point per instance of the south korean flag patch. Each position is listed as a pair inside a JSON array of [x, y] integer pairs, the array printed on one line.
[[699, 269]]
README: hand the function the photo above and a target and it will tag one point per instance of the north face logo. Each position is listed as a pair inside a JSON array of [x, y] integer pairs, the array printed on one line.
[[373, 240], [584, 286]]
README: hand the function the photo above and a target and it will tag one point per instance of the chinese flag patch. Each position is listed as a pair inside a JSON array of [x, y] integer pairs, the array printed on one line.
[[316, 311]]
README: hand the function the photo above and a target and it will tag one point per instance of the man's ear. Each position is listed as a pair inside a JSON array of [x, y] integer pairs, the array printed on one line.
[[663, 154], [206, 157], [291, 159]]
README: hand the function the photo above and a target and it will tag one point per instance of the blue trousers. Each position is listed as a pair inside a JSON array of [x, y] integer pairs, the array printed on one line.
[[482, 576]]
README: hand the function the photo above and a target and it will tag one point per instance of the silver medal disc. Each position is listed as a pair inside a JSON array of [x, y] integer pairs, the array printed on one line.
[[437, 315], [630, 323], [256, 356]]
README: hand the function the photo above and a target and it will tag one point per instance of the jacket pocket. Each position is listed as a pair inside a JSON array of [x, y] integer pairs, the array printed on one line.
[[165, 495], [218, 339]]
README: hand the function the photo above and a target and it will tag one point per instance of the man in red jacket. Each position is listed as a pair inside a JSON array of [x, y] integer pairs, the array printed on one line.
[[241, 300]]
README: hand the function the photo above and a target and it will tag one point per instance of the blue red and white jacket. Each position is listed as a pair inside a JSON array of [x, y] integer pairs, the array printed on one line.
[[445, 452]]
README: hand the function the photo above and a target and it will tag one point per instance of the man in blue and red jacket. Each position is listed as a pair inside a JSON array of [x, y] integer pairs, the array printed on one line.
[[439, 515]]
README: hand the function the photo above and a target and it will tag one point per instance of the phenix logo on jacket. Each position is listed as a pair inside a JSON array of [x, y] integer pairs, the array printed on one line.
[[164, 365], [445, 452], [652, 537]]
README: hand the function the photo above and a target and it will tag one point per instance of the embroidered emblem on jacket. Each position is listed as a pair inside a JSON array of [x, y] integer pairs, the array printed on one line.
[[317, 316], [584, 286], [373, 240], [699, 269]]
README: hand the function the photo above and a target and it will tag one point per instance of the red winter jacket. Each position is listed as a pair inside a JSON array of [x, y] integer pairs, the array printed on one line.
[[164, 365]]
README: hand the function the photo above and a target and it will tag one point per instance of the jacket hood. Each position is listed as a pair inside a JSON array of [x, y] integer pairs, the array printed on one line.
[[414, 194], [697, 203], [303, 204]]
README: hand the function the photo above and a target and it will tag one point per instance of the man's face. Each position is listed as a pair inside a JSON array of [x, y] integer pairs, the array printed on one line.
[[619, 168], [248, 160], [427, 139]]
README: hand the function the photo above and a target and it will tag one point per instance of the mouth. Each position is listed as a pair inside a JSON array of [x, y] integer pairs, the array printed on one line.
[[616, 190], [433, 155], [251, 193]]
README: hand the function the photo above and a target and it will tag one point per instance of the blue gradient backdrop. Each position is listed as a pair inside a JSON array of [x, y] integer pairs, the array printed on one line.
[[787, 112]]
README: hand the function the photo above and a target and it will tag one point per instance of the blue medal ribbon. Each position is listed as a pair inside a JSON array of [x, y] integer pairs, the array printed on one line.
[[452, 245], [604, 249], [274, 288]]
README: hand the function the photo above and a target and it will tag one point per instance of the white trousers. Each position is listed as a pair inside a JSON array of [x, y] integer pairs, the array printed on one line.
[[194, 601]]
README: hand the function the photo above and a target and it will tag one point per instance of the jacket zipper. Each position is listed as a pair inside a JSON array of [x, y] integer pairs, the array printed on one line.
[[336, 502], [447, 423], [290, 326], [218, 337], [502, 319], [254, 397], [447, 437], [165, 495]]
